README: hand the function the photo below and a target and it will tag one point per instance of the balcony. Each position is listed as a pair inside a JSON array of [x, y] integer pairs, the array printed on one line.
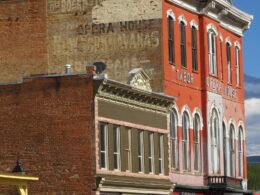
[[225, 182]]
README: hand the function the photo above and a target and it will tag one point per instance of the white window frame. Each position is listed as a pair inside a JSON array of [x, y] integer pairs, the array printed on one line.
[[225, 149], [214, 137], [151, 152], [140, 149], [232, 150], [174, 139], [197, 143], [185, 141], [240, 152], [105, 151], [212, 52], [229, 62], [161, 154], [129, 150], [237, 52], [116, 150]]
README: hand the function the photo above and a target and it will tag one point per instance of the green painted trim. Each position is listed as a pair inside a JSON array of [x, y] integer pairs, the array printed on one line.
[[179, 186]]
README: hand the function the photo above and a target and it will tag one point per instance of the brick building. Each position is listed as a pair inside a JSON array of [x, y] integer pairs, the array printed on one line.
[[190, 49], [46, 123]]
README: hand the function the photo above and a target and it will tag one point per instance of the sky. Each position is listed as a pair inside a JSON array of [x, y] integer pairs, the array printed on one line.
[[251, 39], [251, 52]]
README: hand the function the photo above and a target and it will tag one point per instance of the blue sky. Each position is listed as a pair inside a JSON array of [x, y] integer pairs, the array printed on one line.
[[251, 37]]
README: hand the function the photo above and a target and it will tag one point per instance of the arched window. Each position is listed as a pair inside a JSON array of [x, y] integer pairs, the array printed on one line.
[[240, 152], [174, 140], [228, 47], [214, 135], [224, 148], [185, 140], [171, 39], [183, 44], [194, 48], [237, 66], [197, 143], [232, 150], [212, 52]]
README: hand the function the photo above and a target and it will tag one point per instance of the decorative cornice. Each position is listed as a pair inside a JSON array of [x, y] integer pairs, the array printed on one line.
[[119, 92], [241, 22]]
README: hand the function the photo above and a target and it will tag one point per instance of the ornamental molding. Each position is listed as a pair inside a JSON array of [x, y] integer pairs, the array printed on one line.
[[218, 10], [171, 14], [194, 24], [182, 18], [139, 79]]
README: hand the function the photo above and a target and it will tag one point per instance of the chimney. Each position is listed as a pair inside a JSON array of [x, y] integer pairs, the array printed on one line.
[[91, 70], [67, 68]]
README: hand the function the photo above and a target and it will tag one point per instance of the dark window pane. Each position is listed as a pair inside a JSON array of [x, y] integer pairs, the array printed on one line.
[[103, 160], [183, 44], [170, 40]]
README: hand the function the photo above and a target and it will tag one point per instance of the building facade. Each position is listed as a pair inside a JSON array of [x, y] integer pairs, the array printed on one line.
[[131, 138], [203, 68], [191, 49]]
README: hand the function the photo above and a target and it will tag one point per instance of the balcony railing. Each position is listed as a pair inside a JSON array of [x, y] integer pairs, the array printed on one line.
[[224, 181]]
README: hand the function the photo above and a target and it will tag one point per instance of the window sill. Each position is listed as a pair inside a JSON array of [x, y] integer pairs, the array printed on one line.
[[214, 76], [184, 67], [172, 63], [197, 173], [195, 71], [230, 84]]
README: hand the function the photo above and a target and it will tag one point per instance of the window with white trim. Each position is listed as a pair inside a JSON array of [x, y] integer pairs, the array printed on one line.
[[214, 135], [174, 139], [140, 143], [232, 150], [224, 148], [194, 48], [171, 39], [228, 54], [151, 152], [237, 66], [197, 142], [129, 150], [116, 152], [183, 44], [240, 152], [212, 52], [161, 154], [185, 140], [103, 138]]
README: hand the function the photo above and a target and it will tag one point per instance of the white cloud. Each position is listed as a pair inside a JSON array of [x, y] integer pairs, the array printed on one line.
[[252, 106], [253, 150], [252, 87]]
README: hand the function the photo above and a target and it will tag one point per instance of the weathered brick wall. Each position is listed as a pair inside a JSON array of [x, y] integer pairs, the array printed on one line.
[[23, 33], [46, 123], [122, 33], [40, 36]]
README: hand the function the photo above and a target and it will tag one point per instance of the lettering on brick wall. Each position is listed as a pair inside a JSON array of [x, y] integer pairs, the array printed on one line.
[[218, 87], [123, 26], [184, 76], [108, 43], [68, 6], [117, 66]]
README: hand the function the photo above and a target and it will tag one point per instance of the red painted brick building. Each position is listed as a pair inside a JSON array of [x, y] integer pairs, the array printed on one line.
[[203, 68], [191, 49]]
